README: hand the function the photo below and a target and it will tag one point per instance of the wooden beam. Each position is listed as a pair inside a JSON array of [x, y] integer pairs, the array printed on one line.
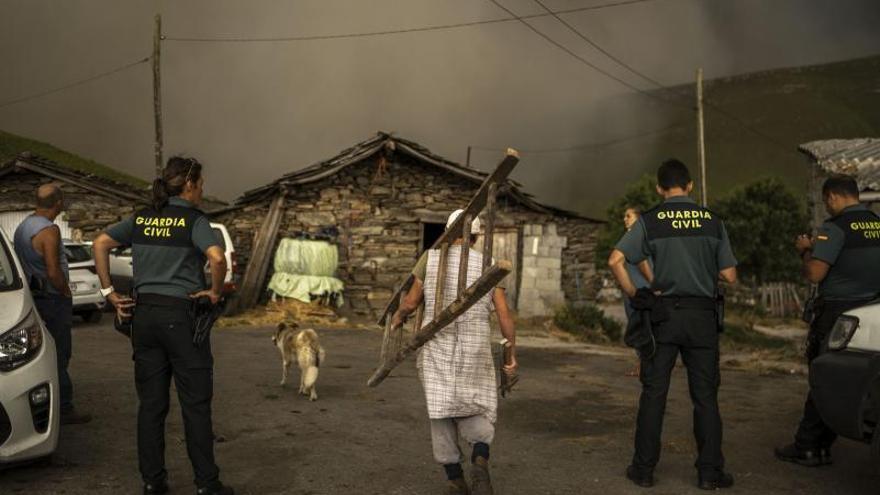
[[468, 298], [261, 255], [441, 279], [104, 191], [489, 228], [465, 256], [477, 203]]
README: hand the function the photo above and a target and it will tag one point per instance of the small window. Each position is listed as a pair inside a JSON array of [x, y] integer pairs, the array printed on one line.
[[430, 233], [77, 253]]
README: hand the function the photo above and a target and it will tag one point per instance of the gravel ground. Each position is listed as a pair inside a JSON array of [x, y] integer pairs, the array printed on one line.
[[567, 429]]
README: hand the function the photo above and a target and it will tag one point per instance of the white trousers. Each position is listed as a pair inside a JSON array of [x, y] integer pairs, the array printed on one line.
[[445, 433]]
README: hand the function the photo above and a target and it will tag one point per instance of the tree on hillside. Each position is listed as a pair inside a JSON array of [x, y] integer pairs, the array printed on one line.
[[763, 218], [642, 195]]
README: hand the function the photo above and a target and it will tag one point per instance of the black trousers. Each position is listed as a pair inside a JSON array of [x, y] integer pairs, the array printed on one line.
[[163, 349], [694, 335], [57, 314], [812, 432]]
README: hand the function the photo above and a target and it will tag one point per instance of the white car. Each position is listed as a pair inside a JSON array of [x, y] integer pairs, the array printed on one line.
[[121, 269], [845, 381], [29, 392], [85, 287]]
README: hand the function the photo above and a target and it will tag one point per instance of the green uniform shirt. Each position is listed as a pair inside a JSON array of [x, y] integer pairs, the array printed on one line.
[[167, 248], [850, 243], [687, 243]]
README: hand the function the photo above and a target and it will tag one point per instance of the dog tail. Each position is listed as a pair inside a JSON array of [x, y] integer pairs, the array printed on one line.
[[311, 377]]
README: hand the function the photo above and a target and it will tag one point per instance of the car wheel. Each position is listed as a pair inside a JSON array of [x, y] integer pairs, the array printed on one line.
[[93, 316]]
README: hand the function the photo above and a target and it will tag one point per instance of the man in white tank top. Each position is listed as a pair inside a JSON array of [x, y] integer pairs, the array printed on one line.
[[456, 366]]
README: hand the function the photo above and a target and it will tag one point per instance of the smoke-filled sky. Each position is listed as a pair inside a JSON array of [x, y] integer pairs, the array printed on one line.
[[252, 111]]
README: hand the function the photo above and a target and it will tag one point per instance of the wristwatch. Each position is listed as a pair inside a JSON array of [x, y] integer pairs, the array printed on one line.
[[106, 292]]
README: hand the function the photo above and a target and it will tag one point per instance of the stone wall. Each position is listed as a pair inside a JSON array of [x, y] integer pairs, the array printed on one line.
[[541, 283], [86, 211], [374, 213]]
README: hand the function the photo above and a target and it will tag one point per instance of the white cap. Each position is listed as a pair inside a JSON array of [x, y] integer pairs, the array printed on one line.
[[475, 225]]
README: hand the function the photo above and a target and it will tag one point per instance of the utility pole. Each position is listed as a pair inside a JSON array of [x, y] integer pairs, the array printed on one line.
[[701, 143], [467, 163], [157, 93]]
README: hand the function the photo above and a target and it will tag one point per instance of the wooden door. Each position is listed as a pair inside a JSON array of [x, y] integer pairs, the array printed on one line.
[[505, 246]]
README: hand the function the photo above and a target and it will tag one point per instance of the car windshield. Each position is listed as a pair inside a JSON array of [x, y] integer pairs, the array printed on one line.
[[77, 253], [220, 238], [9, 279]]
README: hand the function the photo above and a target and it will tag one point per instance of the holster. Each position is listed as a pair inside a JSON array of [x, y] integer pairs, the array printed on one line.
[[719, 310], [39, 287]]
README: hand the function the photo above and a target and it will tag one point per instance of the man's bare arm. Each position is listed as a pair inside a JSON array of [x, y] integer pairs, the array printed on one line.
[[728, 275], [47, 243], [617, 264], [508, 331], [410, 303], [814, 270]]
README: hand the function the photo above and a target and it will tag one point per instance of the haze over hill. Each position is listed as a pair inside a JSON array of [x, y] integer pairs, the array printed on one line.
[[253, 110]]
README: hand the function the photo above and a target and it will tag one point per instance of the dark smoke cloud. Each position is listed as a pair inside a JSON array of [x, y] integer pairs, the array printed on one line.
[[253, 111]]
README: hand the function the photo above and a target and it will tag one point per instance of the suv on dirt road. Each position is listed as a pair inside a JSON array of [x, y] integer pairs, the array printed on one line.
[[29, 405], [845, 381]]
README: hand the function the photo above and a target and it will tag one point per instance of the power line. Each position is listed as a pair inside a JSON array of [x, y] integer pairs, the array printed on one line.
[[584, 60], [73, 84], [440, 27], [602, 144], [596, 45], [656, 83]]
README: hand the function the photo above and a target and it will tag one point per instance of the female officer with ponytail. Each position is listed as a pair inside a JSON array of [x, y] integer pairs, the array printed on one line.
[[170, 241]]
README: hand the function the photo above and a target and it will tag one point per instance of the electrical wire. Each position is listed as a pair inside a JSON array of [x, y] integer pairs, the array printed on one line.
[[366, 34], [73, 84]]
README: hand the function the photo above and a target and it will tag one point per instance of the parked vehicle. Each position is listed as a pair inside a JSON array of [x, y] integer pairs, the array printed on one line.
[[84, 284], [29, 393], [121, 269], [845, 380]]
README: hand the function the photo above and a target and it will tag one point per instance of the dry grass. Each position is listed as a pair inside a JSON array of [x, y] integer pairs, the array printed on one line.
[[287, 310]]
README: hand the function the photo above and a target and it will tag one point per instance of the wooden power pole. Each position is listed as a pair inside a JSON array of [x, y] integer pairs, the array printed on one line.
[[701, 139], [157, 93]]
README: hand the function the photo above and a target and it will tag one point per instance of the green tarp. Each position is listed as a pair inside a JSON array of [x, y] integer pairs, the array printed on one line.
[[305, 268]]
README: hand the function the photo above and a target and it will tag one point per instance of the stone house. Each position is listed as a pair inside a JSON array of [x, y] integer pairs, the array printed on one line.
[[385, 200], [859, 158], [93, 202]]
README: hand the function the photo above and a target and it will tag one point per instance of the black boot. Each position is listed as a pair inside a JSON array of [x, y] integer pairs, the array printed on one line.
[[809, 457], [715, 481], [215, 489], [641, 477], [155, 488]]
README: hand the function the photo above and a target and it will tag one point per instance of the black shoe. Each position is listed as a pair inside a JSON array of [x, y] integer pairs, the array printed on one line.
[[216, 489], [716, 482], [641, 477], [810, 457], [156, 488], [825, 456]]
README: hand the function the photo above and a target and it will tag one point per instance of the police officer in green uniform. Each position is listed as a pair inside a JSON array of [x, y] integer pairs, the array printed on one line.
[[844, 259], [170, 242], [691, 252]]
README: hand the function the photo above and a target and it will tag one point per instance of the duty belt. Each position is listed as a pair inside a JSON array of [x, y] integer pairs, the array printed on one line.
[[689, 302], [163, 300]]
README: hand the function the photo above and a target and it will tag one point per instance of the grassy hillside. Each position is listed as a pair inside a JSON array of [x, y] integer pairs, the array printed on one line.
[[11, 145], [790, 106]]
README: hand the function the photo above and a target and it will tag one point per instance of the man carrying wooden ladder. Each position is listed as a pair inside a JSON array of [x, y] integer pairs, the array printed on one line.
[[456, 366]]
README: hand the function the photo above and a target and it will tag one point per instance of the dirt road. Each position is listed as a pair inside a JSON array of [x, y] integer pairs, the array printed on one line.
[[566, 430]]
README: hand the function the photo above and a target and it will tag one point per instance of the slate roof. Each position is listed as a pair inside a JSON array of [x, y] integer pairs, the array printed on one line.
[[372, 146], [856, 157]]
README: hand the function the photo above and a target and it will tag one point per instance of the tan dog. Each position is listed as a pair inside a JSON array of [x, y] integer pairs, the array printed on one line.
[[308, 351]]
